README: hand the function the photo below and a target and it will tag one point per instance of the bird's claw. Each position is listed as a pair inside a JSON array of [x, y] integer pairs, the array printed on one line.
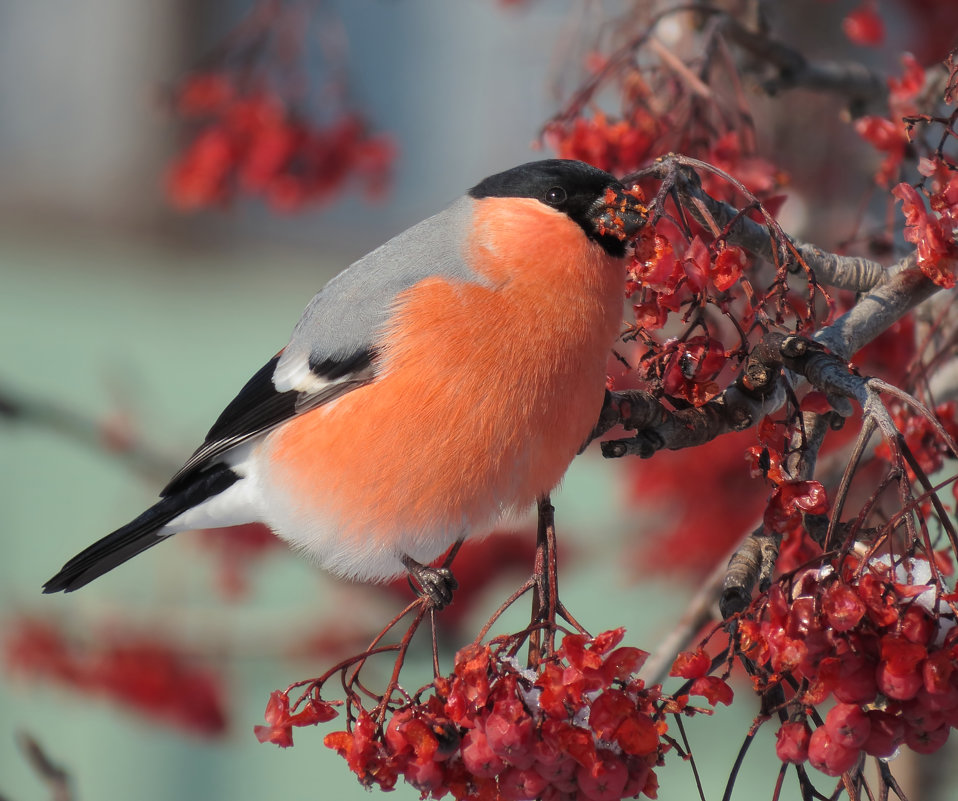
[[436, 584]]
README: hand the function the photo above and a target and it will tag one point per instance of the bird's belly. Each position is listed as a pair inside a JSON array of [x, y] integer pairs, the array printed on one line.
[[455, 431], [346, 487]]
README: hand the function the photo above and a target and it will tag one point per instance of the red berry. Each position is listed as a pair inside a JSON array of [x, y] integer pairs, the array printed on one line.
[[886, 735], [842, 607], [856, 682], [479, 759], [639, 773], [902, 656], [547, 751], [395, 740], [917, 714], [426, 777], [605, 779], [558, 772], [638, 735], [513, 742], [609, 710], [848, 725], [926, 742], [691, 664], [521, 785], [553, 793], [802, 617], [277, 708], [917, 626], [937, 671], [939, 702], [830, 757], [791, 743], [901, 687]]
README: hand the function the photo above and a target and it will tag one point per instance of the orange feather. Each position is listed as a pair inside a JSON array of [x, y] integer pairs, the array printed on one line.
[[485, 391]]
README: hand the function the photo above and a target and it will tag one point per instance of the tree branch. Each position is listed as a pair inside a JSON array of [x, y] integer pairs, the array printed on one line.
[[87, 431], [877, 311], [54, 776], [851, 79]]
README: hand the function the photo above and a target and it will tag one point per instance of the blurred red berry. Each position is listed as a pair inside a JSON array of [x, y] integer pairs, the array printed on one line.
[[864, 26]]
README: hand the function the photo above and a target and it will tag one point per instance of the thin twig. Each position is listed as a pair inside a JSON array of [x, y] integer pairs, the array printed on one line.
[[53, 775]]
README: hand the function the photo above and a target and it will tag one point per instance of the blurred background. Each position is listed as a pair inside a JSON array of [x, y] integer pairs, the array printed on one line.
[[120, 310]]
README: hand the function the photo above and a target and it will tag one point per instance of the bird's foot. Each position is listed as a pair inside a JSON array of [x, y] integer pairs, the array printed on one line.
[[436, 584]]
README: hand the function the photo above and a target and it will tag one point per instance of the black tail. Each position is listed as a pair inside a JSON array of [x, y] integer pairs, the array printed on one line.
[[139, 534]]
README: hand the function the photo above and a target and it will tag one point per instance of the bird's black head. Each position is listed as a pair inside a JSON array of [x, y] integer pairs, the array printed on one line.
[[592, 198]]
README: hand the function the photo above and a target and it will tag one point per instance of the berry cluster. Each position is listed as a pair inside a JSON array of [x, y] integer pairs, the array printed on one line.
[[581, 726], [875, 638], [932, 231], [138, 671], [251, 141], [614, 145], [675, 268], [889, 134]]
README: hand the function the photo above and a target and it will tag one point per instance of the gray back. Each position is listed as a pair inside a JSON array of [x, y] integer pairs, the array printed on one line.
[[348, 314]]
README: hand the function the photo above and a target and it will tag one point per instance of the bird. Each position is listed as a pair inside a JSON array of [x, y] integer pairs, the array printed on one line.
[[444, 380]]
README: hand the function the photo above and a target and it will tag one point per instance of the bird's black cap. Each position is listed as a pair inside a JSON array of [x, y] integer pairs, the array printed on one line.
[[572, 187]]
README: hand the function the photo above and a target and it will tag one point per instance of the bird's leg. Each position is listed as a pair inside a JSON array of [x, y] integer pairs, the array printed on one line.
[[434, 583], [545, 602]]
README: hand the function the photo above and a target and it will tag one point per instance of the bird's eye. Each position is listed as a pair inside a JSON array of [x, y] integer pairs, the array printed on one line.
[[556, 196]]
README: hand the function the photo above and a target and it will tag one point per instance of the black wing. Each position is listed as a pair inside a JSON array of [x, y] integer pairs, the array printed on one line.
[[259, 406]]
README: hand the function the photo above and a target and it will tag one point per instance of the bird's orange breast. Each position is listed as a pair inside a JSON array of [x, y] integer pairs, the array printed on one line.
[[484, 394]]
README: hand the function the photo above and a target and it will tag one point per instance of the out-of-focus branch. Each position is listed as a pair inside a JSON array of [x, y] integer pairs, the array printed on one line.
[[54, 776], [850, 79], [87, 431]]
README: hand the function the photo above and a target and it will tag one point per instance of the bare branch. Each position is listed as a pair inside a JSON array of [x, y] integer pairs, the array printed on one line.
[[888, 302], [54, 776], [851, 79], [85, 430]]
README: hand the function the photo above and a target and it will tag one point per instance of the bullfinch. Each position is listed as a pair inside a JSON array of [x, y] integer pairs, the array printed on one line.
[[443, 380]]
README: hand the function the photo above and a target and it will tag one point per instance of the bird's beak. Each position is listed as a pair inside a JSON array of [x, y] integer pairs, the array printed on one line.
[[620, 213]]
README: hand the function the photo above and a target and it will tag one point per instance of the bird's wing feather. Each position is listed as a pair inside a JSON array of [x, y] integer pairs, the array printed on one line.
[[260, 406]]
